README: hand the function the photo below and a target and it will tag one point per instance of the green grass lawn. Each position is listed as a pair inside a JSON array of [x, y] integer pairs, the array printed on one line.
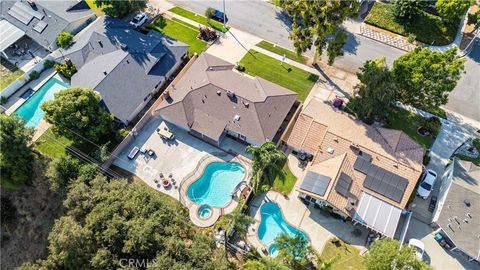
[[476, 161], [428, 28], [180, 31], [271, 69], [199, 18], [344, 256], [8, 72], [409, 122], [98, 10], [284, 183], [52, 145], [282, 51]]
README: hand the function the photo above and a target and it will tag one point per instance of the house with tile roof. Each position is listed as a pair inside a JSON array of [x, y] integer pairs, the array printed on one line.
[[213, 100], [126, 67], [458, 207], [362, 172]]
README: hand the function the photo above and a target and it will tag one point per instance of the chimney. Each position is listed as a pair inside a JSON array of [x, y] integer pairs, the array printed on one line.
[[105, 73]]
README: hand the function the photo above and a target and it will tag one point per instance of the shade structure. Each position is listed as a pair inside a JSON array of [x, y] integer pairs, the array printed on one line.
[[10, 34]]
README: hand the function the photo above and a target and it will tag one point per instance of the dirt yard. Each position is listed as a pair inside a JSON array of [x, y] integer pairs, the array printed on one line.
[[27, 218]]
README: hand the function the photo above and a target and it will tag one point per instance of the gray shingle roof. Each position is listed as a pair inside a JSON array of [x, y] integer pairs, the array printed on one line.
[[122, 64], [460, 214], [203, 90]]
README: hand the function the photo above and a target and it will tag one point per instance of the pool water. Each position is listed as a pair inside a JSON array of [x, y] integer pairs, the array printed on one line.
[[273, 225], [216, 184], [204, 211], [30, 110]]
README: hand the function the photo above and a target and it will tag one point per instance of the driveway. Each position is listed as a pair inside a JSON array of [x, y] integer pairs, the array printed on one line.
[[437, 256]]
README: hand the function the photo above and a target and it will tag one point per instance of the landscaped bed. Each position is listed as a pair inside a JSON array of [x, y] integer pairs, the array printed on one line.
[[199, 18], [476, 161], [427, 28], [342, 256], [282, 51], [271, 69], [8, 72], [180, 31]]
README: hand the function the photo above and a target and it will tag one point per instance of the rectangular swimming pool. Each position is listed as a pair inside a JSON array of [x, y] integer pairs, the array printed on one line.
[[30, 110]]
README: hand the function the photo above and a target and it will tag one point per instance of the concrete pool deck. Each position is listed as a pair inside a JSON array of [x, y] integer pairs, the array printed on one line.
[[179, 157]]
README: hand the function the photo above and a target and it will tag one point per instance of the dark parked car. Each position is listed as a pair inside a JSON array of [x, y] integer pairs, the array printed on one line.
[[218, 16]]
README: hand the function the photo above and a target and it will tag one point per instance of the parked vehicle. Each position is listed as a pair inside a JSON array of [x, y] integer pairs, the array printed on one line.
[[219, 16], [418, 246], [139, 19], [426, 184]]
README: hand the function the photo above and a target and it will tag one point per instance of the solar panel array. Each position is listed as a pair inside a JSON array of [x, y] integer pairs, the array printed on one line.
[[40, 26], [24, 13], [343, 184], [381, 181], [315, 183]]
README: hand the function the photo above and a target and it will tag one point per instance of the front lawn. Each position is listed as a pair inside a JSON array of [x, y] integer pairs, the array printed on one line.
[[427, 28], [476, 161], [8, 72], [342, 255], [180, 31], [282, 51], [52, 145], [271, 69], [409, 122], [199, 18], [284, 183]]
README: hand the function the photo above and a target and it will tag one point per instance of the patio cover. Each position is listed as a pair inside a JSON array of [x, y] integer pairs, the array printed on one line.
[[10, 34], [378, 215]]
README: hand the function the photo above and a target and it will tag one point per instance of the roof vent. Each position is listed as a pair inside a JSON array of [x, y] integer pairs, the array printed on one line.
[[100, 43], [467, 203], [330, 150], [245, 103], [469, 215], [219, 92], [230, 94], [105, 73], [123, 46], [236, 117], [166, 94]]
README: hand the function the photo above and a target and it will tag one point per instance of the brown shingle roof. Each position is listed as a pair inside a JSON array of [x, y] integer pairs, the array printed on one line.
[[321, 128], [261, 105]]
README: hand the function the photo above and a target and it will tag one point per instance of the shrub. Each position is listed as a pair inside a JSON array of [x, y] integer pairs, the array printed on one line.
[[64, 39], [408, 9], [411, 38], [67, 69], [3, 100], [207, 34], [209, 12], [34, 75], [48, 64], [240, 67], [432, 125]]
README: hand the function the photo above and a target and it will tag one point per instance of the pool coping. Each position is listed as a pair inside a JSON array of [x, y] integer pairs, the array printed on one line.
[[191, 178], [283, 216]]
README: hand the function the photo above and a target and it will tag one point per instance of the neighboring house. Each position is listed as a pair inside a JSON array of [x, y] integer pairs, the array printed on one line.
[[213, 100], [458, 209], [362, 172], [42, 20], [127, 68]]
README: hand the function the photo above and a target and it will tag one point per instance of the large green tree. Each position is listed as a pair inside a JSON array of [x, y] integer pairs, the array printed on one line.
[[375, 92], [62, 171], [109, 222], [388, 254], [425, 78], [408, 9], [268, 162], [237, 221], [15, 155], [76, 114], [295, 251], [452, 10], [119, 8], [316, 22]]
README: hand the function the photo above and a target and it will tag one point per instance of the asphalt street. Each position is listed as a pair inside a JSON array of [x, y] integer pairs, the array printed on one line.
[[269, 22]]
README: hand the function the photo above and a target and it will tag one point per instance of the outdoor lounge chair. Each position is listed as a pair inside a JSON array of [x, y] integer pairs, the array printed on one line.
[[133, 153]]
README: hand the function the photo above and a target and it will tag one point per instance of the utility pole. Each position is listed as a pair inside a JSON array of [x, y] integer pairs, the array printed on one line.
[[224, 16]]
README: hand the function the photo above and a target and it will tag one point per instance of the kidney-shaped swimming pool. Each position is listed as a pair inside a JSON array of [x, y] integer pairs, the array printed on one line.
[[216, 184]]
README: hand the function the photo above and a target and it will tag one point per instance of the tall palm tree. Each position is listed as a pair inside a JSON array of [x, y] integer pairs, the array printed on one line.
[[268, 162]]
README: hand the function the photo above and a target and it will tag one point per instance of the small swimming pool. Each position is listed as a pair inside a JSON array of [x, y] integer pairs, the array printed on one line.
[[30, 110], [216, 184], [273, 224]]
